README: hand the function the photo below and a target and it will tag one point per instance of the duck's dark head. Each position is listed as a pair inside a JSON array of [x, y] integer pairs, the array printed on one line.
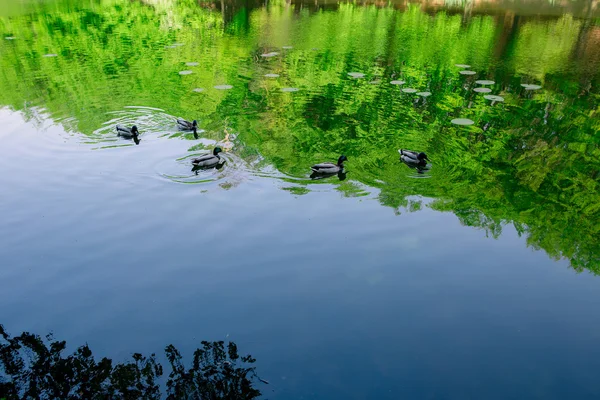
[[194, 123], [216, 151], [134, 131], [422, 157], [342, 159]]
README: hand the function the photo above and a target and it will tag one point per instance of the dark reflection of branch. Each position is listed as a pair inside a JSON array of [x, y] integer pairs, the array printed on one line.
[[33, 368]]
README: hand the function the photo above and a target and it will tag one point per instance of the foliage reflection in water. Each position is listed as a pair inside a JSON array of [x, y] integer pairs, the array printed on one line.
[[531, 157], [31, 367]]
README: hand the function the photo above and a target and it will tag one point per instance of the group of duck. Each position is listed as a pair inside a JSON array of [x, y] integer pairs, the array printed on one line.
[[413, 159]]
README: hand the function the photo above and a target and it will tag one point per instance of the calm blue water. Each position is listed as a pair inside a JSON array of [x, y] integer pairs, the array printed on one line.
[[336, 297], [334, 289]]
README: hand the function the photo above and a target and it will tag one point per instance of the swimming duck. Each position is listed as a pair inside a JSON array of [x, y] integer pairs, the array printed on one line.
[[209, 160], [413, 158], [184, 125], [129, 133], [329, 168]]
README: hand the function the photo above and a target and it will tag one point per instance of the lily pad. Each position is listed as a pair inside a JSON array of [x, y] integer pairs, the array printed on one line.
[[192, 64], [186, 72], [223, 87], [271, 54], [289, 89], [531, 87], [467, 72], [493, 97], [409, 90], [397, 82], [462, 121], [462, 65], [482, 90], [484, 82], [271, 75], [198, 90], [51, 55], [424, 94], [356, 75]]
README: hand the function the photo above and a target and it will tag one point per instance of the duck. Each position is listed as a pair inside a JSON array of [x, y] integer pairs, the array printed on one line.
[[413, 158], [184, 125], [209, 160], [329, 168], [129, 133]]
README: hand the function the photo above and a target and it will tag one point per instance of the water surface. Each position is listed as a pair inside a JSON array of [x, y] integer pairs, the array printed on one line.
[[473, 278]]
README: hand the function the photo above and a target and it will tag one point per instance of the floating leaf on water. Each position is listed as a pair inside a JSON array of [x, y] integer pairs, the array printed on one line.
[[271, 54], [482, 90], [484, 82], [271, 75], [462, 121], [493, 97], [397, 83], [409, 90], [531, 87], [289, 89], [356, 75], [467, 72], [462, 65], [50, 55], [223, 87], [287, 47], [192, 64], [186, 72], [424, 94], [197, 90]]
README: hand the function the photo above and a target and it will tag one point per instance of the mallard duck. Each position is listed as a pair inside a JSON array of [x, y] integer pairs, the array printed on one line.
[[184, 125], [329, 168], [413, 158], [209, 160], [129, 133]]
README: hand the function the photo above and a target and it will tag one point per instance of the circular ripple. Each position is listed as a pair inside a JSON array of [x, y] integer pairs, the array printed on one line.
[[462, 65], [484, 82], [482, 90], [409, 90], [356, 75], [186, 72], [531, 87], [424, 94], [397, 82], [223, 87], [467, 72], [289, 89], [271, 75], [192, 64]]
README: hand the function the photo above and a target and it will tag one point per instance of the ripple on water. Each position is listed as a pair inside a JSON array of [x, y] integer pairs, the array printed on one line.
[[181, 170], [186, 72], [151, 122], [223, 87], [192, 64]]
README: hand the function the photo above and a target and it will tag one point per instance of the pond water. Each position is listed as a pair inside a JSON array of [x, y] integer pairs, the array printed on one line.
[[473, 277]]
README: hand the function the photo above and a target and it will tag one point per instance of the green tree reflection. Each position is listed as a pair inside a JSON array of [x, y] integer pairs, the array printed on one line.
[[532, 161]]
